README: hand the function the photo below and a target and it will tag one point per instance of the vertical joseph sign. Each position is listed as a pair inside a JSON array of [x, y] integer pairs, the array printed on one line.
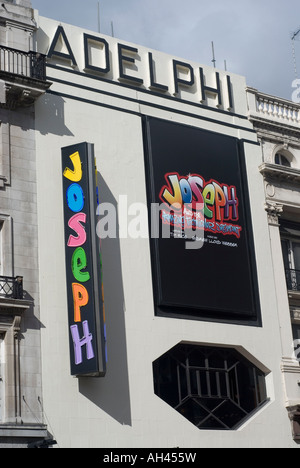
[[83, 265]]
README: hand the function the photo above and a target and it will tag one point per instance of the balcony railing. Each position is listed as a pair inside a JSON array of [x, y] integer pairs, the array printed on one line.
[[293, 280], [11, 288], [27, 64], [279, 110]]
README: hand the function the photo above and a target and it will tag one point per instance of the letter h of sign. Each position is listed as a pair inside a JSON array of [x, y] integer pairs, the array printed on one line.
[[233, 202], [80, 342]]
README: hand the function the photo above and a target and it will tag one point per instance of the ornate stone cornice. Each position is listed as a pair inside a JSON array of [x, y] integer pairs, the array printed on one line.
[[21, 91], [279, 173], [275, 129]]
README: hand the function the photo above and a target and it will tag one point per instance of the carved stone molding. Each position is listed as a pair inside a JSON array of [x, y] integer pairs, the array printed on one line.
[[275, 172], [294, 415], [21, 91], [274, 211]]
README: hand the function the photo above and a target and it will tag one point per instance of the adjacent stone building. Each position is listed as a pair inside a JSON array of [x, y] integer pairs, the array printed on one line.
[[22, 81], [277, 123]]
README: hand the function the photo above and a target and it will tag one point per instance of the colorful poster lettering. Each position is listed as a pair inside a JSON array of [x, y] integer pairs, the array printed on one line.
[[218, 204], [83, 263], [198, 179]]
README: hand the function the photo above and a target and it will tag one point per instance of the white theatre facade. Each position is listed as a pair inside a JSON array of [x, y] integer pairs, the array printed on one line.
[[193, 347]]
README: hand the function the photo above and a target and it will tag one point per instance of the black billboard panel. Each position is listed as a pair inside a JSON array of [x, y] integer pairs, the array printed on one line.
[[83, 262], [216, 277]]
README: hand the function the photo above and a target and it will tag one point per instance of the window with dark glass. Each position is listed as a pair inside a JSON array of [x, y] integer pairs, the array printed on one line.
[[2, 372], [296, 332], [1, 243], [290, 242], [214, 388], [282, 160], [296, 338]]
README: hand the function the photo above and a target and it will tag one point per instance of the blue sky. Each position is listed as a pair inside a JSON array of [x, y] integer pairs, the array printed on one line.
[[253, 36]]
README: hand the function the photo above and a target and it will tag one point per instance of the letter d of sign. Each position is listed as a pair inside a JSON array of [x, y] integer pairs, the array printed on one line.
[[83, 267]]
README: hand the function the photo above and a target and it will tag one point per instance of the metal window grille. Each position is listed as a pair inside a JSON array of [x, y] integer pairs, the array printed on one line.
[[293, 279], [11, 287], [214, 388]]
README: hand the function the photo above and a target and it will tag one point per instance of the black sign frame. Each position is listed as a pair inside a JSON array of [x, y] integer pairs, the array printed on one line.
[[87, 335], [161, 137]]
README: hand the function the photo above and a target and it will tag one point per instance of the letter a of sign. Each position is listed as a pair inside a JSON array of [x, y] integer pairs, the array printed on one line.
[[59, 44]]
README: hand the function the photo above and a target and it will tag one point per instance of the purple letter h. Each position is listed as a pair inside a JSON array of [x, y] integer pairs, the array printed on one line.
[[79, 343]]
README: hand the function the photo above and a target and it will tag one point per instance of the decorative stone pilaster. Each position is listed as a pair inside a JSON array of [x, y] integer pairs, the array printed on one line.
[[274, 211]]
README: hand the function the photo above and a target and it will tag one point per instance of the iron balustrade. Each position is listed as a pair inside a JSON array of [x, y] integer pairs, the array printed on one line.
[[11, 287], [27, 64], [293, 280]]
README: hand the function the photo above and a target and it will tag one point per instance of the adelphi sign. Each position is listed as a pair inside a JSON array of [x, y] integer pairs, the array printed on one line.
[[139, 68]]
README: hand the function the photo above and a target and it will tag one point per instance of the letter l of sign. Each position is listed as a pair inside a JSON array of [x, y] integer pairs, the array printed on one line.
[[76, 174]]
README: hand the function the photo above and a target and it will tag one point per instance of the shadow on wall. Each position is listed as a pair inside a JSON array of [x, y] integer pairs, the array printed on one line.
[[54, 121], [47, 116], [111, 393]]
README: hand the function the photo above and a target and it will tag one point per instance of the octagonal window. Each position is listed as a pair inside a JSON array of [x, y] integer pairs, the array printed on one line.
[[212, 387]]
